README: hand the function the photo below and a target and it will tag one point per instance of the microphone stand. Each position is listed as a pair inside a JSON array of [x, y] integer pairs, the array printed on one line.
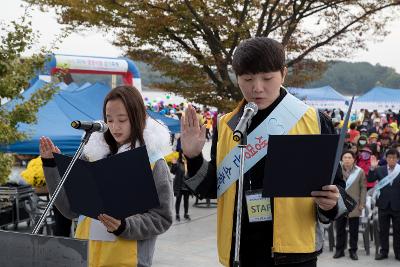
[[60, 185], [242, 146]]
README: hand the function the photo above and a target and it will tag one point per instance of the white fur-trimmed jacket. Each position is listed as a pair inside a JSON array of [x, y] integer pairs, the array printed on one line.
[[141, 227]]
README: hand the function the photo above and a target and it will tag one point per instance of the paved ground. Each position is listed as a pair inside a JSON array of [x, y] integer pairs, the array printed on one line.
[[193, 244]]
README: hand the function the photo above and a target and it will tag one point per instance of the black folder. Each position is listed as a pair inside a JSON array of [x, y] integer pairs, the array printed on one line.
[[120, 185], [296, 165]]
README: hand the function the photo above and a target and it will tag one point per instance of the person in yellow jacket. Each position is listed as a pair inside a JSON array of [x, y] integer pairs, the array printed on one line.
[[130, 241], [288, 230]]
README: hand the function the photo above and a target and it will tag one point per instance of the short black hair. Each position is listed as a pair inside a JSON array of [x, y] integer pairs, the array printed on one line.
[[393, 151], [258, 54], [348, 152], [395, 145], [353, 125]]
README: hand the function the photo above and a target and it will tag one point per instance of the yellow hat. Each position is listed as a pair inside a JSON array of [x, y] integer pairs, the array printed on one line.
[[373, 135], [393, 125]]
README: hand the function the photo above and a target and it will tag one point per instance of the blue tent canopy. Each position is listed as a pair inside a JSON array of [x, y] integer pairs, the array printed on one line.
[[53, 119], [380, 94], [317, 94], [79, 99], [87, 101], [25, 95], [173, 125]]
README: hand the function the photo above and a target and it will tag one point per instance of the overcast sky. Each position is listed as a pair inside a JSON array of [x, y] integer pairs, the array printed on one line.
[[96, 44]]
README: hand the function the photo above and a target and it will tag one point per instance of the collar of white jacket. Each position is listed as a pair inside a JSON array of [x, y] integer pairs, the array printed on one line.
[[156, 137]]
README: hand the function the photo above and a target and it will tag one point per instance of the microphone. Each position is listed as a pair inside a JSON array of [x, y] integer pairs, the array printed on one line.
[[91, 126], [250, 109]]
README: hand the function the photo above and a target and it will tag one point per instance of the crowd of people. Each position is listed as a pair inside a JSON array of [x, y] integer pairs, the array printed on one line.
[[205, 115], [370, 164], [369, 135]]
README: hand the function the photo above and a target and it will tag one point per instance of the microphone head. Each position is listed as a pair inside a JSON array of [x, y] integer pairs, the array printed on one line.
[[253, 106], [95, 126], [103, 126], [75, 124]]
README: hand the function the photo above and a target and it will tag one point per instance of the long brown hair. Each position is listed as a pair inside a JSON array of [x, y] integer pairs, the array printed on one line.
[[136, 110]]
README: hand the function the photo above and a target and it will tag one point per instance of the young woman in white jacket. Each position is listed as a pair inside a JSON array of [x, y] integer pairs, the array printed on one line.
[[130, 241]]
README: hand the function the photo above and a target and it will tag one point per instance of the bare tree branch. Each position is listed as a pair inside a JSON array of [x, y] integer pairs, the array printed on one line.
[[262, 17], [337, 33], [240, 22]]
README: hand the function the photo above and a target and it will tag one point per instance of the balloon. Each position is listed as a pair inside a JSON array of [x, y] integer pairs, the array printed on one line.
[[146, 99], [168, 97]]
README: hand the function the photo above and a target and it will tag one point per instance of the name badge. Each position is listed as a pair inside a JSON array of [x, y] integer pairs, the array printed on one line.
[[258, 207]]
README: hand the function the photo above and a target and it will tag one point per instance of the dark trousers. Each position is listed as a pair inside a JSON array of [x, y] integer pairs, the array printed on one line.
[[341, 234], [208, 134], [258, 254], [257, 262], [185, 195], [385, 215], [255, 259], [62, 225]]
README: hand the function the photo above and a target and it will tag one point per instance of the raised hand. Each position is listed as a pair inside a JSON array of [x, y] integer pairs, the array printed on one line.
[[193, 135], [47, 148], [374, 162]]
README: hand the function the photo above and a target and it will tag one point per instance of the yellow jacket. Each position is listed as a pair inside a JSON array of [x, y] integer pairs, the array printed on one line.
[[295, 219]]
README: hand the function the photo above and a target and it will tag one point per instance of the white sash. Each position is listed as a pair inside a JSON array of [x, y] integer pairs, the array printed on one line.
[[281, 120], [388, 179], [352, 177]]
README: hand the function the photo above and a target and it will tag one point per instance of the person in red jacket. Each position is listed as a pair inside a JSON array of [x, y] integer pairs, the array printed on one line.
[[364, 162], [353, 133]]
